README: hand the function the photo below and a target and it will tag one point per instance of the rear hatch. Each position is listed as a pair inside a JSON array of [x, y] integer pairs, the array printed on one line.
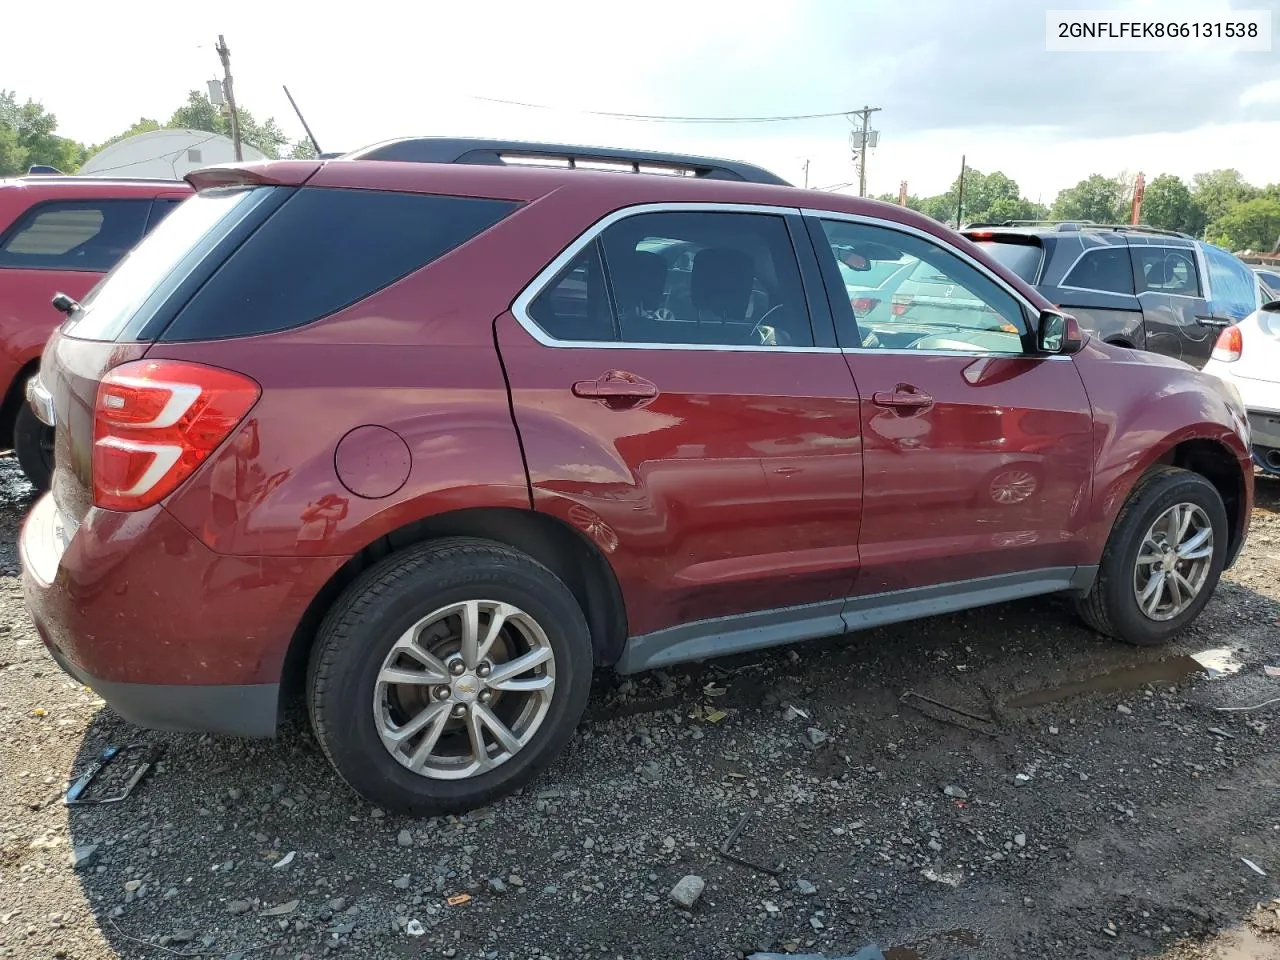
[[117, 322], [1020, 253]]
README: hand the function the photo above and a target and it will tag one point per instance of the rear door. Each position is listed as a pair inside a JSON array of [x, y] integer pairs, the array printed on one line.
[[977, 452], [682, 402], [1097, 286], [1170, 285]]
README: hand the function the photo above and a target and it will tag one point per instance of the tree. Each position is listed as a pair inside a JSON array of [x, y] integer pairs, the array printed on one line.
[[1098, 198], [988, 198], [199, 114], [27, 137], [144, 125], [1167, 204], [1251, 225], [303, 150], [1217, 191]]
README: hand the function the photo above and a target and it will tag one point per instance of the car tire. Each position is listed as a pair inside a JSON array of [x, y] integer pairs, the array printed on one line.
[[1146, 604], [33, 444], [413, 606]]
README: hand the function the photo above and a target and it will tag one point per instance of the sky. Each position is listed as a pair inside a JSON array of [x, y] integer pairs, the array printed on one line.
[[953, 78]]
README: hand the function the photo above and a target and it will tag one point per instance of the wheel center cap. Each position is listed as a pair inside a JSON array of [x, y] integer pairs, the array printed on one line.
[[466, 688], [1169, 562]]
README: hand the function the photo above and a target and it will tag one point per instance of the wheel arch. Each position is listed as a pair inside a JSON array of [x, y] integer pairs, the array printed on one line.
[[555, 544], [1216, 462]]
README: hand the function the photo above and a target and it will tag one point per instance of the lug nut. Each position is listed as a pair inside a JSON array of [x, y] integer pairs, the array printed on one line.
[[460, 710], [486, 696], [442, 693], [483, 669], [457, 667]]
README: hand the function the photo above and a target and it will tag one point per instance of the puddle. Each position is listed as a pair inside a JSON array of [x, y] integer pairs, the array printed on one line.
[[954, 938], [1173, 670], [1219, 662]]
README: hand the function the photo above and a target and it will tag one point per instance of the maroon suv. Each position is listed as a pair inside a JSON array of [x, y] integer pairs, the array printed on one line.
[[435, 440]]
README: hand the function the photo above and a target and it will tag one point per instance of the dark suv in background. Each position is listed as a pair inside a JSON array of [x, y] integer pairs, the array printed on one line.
[[1134, 286]]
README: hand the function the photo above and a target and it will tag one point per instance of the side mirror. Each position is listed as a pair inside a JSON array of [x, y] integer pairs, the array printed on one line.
[[1272, 307], [1059, 333]]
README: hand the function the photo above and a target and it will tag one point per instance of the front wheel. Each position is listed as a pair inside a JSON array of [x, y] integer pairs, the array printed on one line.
[[1162, 561], [33, 443], [448, 675]]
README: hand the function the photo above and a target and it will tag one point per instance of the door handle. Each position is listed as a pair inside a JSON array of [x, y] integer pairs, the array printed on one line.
[[904, 397], [617, 388], [1212, 321]]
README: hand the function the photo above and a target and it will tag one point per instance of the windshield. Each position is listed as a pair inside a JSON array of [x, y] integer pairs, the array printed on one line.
[[161, 260], [1023, 259]]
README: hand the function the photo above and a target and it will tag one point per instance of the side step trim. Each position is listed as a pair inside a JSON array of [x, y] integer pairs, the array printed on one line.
[[770, 628]]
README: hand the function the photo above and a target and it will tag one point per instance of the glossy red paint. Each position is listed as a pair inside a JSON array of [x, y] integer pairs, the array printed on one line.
[[749, 480], [992, 476], [26, 315]]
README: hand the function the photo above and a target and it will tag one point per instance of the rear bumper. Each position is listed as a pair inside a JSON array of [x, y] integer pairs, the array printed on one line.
[[172, 635], [240, 711]]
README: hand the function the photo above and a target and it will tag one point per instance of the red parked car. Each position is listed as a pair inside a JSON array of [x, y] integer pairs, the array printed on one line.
[[433, 441], [58, 235]]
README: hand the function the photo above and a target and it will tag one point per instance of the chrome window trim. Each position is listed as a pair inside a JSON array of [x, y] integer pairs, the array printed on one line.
[[955, 251], [520, 306]]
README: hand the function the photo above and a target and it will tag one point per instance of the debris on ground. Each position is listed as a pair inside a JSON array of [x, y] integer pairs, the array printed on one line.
[[687, 891], [1253, 866], [870, 952]]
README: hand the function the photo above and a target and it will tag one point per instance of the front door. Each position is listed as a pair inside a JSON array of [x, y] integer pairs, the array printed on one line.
[[977, 453], [677, 408]]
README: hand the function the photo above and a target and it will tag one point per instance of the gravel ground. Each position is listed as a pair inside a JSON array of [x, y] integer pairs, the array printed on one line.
[[1090, 801]]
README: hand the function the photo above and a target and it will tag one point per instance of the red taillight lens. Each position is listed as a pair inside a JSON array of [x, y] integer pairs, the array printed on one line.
[[1229, 346], [155, 422], [864, 305], [898, 307]]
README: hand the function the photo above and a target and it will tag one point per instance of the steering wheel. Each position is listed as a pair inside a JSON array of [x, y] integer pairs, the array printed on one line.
[[768, 336]]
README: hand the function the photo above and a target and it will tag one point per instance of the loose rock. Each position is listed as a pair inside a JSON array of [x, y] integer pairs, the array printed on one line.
[[686, 893]]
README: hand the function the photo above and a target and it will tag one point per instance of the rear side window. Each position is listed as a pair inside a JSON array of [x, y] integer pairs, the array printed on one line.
[[1167, 270], [1106, 269], [74, 235], [1232, 287], [323, 250], [1023, 259]]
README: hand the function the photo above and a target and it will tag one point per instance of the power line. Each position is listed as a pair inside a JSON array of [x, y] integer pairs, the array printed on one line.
[[665, 118]]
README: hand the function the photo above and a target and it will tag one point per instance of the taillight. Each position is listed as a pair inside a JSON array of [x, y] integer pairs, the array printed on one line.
[[1229, 346], [898, 308], [155, 422], [864, 305]]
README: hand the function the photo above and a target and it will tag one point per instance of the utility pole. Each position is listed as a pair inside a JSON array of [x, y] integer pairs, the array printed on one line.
[[806, 174], [867, 138], [960, 196], [224, 55]]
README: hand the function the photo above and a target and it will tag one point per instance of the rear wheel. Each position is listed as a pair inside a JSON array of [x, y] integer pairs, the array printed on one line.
[[1162, 561], [33, 443], [448, 675]]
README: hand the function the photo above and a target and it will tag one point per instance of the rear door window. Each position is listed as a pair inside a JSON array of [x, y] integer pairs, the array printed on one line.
[[76, 235], [1233, 289], [322, 251], [1167, 270], [1106, 269]]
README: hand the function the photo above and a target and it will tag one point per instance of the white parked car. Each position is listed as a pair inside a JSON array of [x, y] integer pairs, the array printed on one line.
[[1247, 355]]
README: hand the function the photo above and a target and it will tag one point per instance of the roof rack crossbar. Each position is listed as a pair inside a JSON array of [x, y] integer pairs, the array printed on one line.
[[502, 152]]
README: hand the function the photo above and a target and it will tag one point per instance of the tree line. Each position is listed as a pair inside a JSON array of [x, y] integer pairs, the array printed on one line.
[[1219, 205], [28, 134]]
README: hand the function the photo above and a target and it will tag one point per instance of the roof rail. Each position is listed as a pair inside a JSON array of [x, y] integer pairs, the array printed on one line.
[[503, 152], [1069, 225]]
